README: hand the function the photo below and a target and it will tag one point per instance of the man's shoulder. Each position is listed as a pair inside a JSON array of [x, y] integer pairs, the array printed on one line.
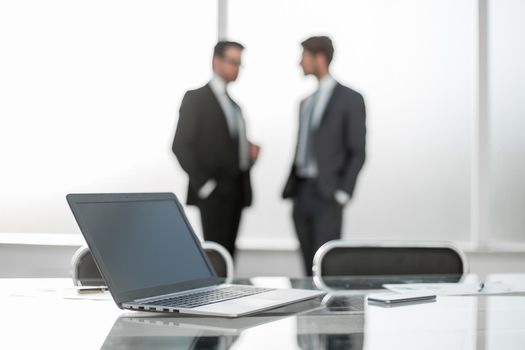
[[348, 92], [197, 98], [201, 91]]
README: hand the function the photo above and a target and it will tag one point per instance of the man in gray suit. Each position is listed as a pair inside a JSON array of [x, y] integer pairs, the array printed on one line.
[[330, 152]]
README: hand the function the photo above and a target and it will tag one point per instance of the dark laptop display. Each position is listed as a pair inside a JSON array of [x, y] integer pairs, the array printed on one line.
[[141, 241]]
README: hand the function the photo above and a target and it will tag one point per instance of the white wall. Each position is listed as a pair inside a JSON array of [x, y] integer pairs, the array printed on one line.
[[90, 92]]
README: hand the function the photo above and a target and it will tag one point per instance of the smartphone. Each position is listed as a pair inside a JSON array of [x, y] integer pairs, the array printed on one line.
[[398, 298]]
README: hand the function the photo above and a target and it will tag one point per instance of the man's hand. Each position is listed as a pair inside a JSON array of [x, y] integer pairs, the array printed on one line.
[[342, 197], [207, 189], [254, 152]]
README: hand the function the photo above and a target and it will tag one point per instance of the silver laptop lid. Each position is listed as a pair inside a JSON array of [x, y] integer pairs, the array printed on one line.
[[142, 244]]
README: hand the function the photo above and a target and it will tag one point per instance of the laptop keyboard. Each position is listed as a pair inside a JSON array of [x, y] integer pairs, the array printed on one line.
[[209, 297]]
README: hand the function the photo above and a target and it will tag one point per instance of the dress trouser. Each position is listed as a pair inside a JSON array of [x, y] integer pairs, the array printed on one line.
[[317, 220], [221, 215]]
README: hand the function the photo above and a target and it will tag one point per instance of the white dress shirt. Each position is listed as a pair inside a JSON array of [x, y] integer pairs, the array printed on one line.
[[218, 86]]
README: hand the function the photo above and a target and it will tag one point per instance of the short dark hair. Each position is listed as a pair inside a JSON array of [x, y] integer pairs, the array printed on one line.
[[319, 44], [222, 45]]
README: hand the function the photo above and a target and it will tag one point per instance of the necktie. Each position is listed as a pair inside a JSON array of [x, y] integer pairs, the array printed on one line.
[[307, 139], [233, 117], [239, 135]]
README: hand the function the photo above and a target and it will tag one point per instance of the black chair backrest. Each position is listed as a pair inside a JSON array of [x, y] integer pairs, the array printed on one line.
[[218, 262], [390, 261]]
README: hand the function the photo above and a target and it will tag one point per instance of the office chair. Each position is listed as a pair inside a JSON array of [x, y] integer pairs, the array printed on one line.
[[86, 273], [389, 262], [220, 259]]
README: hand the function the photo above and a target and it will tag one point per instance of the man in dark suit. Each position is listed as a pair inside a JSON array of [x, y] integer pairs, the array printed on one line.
[[329, 155], [211, 146]]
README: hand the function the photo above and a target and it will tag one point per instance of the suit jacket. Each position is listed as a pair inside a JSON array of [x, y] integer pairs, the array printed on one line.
[[205, 149], [338, 144]]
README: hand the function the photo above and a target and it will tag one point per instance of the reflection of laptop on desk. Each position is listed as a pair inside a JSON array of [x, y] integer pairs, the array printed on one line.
[[137, 335], [163, 333], [151, 260], [183, 326]]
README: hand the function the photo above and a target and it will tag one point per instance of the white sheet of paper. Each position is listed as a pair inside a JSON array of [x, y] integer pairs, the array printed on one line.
[[456, 288]]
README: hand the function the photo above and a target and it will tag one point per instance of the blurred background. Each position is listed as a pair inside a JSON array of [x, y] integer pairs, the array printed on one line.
[[90, 91]]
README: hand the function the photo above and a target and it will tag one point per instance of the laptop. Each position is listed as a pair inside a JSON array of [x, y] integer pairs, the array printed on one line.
[[152, 260]]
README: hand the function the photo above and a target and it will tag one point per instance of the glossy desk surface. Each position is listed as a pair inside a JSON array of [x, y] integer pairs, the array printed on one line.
[[45, 314]]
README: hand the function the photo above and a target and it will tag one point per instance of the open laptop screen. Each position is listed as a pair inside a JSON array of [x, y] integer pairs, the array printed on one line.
[[141, 243]]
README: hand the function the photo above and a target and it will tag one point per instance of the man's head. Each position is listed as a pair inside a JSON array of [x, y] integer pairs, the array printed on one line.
[[227, 60], [318, 52]]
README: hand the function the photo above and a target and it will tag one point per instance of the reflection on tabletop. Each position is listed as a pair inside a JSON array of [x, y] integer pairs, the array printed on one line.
[[318, 324]]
